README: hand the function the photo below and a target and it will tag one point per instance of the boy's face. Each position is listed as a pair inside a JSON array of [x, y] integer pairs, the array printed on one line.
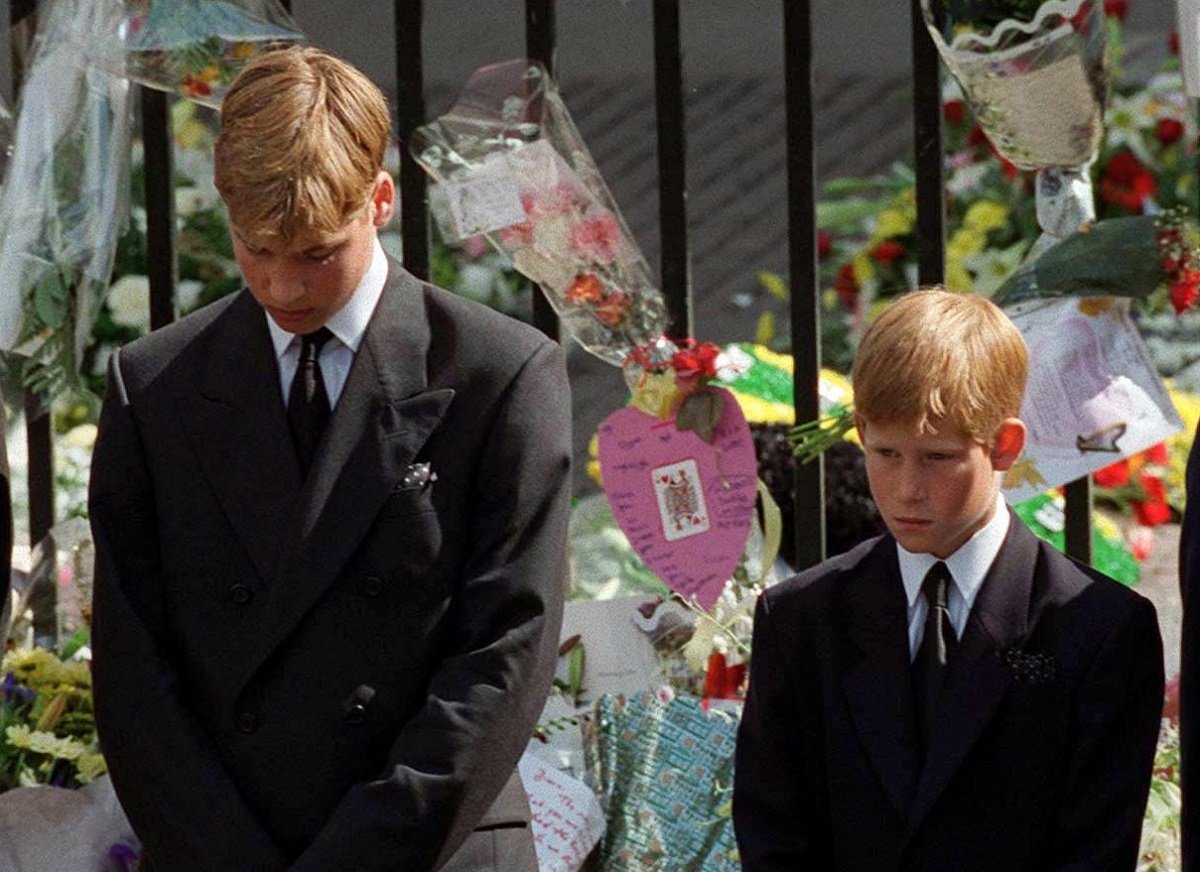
[[935, 491], [303, 283]]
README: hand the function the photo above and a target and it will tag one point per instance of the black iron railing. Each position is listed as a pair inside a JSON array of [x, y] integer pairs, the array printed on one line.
[[540, 45]]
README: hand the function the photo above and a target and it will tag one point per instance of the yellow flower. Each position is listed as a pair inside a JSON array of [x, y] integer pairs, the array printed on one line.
[[966, 241], [55, 746], [957, 277], [864, 270], [986, 215], [210, 73], [18, 736], [760, 411], [244, 50], [90, 766], [892, 222]]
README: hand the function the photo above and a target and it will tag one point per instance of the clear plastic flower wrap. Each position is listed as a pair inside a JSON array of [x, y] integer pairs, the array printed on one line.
[[509, 163], [1034, 74], [194, 48], [65, 195]]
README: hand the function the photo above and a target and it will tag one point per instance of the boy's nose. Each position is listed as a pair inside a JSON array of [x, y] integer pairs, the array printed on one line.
[[912, 484]]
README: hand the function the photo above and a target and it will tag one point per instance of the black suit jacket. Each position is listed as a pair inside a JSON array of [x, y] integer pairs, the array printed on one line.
[[1042, 754], [336, 672], [1189, 665]]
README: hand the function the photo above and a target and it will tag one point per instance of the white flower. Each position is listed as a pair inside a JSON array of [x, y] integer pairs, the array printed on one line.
[[129, 301], [1127, 120], [83, 436], [187, 294], [190, 200], [993, 265]]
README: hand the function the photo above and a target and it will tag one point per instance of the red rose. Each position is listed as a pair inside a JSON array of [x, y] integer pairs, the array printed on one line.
[[1184, 293], [612, 309], [887, 251], [976, 136], [1158, 453], [585, 289], [954, 111], [1116, 9], [1114, 475], [714, 676], [846, 286], [1168, 130], [824, 243], [1126, 183], [1173, 42], [1151, 514]]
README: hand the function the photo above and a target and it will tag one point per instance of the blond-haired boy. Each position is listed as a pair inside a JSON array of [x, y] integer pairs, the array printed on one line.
[[955, 694], [330, 517]]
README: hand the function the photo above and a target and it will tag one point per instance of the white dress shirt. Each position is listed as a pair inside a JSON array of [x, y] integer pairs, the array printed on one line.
[[968, 566], [348, 326]]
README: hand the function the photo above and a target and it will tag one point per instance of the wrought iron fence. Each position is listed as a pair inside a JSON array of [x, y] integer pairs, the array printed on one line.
[[796, 20]]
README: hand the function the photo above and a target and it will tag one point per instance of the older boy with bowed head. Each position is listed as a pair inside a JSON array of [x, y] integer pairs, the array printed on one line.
[[330, 519], [955, 694]]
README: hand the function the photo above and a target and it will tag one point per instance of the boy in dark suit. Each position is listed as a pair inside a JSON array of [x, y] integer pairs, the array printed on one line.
[[330, 519], [955, 694]]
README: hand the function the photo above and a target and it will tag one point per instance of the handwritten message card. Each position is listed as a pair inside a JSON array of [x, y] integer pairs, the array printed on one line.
[[685, 505], [567, 818]]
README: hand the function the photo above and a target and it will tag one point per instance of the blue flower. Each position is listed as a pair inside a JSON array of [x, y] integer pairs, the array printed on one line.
[[13, 691]]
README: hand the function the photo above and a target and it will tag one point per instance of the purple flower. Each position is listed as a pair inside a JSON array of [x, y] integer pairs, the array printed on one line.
[[121, 858], [13, 691]]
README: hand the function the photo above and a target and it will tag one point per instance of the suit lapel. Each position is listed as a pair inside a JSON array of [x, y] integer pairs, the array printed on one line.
[[243, 443], [382, 419], [878, 686], [978, 679]]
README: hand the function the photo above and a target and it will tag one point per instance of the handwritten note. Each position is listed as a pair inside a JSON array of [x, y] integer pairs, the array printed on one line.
[[568, 820], [685, 505]]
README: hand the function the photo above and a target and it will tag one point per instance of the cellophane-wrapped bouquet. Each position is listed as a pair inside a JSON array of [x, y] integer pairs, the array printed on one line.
[[509, 164]]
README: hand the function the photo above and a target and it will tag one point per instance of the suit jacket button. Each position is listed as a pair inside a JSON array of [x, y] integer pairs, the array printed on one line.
[[356, 713], [247, 722], [373, 585], [240, 594]]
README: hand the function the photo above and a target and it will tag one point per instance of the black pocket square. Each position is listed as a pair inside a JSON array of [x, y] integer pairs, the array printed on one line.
[[417, 475], [1029, 667]]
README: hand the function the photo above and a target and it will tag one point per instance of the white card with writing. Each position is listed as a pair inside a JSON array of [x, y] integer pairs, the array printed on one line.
[[568, 820], [486, 199]]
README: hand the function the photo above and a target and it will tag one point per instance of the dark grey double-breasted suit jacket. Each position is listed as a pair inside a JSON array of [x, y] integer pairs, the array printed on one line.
[[1040, 759], [337, 672]]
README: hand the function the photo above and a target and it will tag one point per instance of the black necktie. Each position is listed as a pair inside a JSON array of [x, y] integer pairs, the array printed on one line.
[[308, 402], [934, 652]]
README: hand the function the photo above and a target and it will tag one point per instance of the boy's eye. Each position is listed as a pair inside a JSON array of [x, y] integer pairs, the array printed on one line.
[[319, 254]]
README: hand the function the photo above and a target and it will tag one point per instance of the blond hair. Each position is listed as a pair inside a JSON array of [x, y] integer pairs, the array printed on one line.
[[934, 357], [301, 144]]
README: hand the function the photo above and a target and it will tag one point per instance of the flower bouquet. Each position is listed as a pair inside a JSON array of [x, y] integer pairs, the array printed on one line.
[[64, 197], [1034, 74], [510, 164], [47, 730], [194, 48]]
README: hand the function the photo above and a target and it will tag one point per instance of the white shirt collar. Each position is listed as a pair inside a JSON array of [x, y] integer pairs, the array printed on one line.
[[349, 323], [968, 565]]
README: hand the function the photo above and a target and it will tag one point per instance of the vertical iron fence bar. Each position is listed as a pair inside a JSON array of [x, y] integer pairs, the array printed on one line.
[[1077, 533], [410, 114], [672, 168], [541, 42], [161, 266], [927, 153], [37, 413], [809, 531]]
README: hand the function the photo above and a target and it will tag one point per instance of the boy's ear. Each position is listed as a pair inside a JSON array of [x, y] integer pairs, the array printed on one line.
[[1008, 443], [383, 199], [860, 424]]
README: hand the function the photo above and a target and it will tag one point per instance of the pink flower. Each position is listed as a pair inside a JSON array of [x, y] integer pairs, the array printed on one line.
[[475, 247], [597, 240]]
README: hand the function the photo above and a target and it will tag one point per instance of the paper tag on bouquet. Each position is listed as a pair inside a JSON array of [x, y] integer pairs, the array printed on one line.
[[685, 505], [484, 200], [1093, 395]]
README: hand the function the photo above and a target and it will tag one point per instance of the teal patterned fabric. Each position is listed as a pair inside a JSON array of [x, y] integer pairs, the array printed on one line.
[[664, 774]]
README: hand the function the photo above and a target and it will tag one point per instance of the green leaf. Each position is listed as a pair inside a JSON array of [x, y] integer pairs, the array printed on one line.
[[1118, 257], [700, 413], [50, 301]]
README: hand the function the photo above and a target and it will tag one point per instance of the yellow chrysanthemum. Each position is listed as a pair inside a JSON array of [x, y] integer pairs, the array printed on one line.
[[986, 215], [864, 269], [90, 766], [892, 222], [760, 411], [957, 277], [966, 241]]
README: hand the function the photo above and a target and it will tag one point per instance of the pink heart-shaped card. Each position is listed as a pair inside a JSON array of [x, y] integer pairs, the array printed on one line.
[[685, 505]]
